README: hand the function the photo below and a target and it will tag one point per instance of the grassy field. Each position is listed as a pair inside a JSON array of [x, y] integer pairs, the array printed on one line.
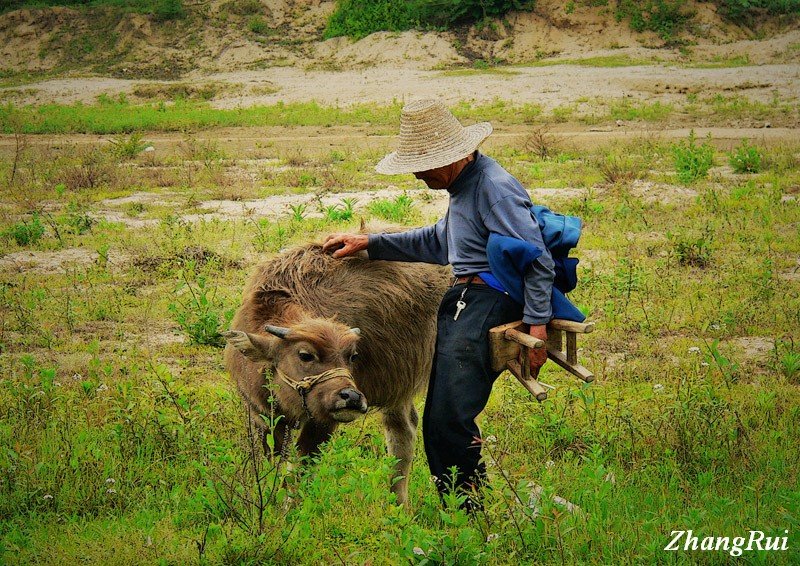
[[189, 112], [122, 440]]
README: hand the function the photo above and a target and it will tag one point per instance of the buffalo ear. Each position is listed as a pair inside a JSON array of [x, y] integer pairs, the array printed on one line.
[[252, 346]]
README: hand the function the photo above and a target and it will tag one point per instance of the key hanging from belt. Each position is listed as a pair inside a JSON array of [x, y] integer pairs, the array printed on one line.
[[460, 304]]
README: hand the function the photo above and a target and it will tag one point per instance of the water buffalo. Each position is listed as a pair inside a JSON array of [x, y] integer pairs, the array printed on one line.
[[336, 335]]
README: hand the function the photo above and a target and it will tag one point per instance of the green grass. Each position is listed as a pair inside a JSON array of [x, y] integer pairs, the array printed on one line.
[[607, 61], [122, 440], [189, 111]]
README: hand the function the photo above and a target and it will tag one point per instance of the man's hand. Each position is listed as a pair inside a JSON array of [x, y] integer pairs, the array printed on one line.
[[538, 356], [343, 245]]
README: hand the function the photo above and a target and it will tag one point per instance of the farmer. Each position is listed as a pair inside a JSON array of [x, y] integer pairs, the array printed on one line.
[[484, 199]]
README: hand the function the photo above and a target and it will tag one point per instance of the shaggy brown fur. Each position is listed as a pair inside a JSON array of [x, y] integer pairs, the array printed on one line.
[[320, 299]]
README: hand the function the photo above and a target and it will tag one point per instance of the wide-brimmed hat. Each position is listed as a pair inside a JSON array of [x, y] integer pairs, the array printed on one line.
[[431, 137]]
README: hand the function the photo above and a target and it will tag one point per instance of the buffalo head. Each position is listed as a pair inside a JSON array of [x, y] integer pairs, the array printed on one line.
[[311, 364]]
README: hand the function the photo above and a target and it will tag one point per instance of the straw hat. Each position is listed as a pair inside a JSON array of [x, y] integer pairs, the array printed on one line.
[[431, 137]]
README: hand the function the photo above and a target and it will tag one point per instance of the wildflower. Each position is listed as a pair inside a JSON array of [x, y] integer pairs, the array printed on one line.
[[657, 388], [491, 439], [694, 350], [111, 491], [418, 551], [103, 387], [704, 364], [47, 497], [111, 481], [492, 536], [77, 377], [549, 464], [714, 326]]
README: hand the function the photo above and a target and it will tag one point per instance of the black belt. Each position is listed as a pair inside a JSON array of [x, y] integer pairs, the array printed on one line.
[[468, 279]]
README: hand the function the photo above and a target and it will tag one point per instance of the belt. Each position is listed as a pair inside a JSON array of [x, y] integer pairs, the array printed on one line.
[[476, 280]]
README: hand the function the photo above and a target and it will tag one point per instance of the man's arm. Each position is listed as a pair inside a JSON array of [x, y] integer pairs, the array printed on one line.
[[427, 244], [511, 216]]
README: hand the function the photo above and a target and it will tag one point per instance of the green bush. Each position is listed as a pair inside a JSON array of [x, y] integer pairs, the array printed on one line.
[[665, 17], [741, 9], [26, 233], [359, 18], [746, 158], [163, 10], [258, 25], [693, 161]]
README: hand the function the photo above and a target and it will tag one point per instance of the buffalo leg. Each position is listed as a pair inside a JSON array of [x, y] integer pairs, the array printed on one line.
[[312, 435], [401, 431]]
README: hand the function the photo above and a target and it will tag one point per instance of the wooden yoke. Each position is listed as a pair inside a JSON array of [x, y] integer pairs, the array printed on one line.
[[510, 342]]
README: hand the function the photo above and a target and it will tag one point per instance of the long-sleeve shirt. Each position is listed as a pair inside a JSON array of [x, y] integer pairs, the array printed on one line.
[[485, 198]]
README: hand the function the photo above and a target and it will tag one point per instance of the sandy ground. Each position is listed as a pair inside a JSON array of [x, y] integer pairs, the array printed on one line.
[[549, 87]]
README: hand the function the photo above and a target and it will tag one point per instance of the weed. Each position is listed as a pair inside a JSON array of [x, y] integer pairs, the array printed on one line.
[[197, 310], [543, 143], [127, 147], [340, 212], [298, 211], [258, 25], [746, 158], [693, 161], [27, 232], [398, 209], [692, 251], [620, 168]]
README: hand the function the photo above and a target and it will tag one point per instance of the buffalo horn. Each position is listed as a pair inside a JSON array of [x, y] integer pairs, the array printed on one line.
[[279, 331], [356, 331]]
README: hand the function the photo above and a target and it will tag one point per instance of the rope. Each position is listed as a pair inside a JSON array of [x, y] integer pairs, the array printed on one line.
[[304, 385]]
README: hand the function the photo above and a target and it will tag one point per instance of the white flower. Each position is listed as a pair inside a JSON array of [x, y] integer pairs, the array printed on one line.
[[657, 388], [704, 364], [103, 387], [111, 481], [77, 376], [47, 497], [492, 536], [418, 551], [111, 491], [549, 464], [491, 439], [694, 350], [714, 326]]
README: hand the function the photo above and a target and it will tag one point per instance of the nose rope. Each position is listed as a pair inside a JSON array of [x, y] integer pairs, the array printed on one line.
[[303, 386], [310, 381]]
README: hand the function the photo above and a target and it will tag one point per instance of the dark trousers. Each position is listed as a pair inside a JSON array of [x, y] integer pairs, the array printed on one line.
[[461, 381]]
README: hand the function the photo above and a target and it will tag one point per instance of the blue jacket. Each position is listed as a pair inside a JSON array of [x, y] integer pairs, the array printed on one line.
[[509, 258]]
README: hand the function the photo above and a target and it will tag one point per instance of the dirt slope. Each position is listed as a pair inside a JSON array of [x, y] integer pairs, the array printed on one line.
[[222, 36]]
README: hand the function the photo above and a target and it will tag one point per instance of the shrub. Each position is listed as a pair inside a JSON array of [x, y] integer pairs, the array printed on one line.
[[359, 18], [26, 233], [166, 10], [742, 9], [127, 147], [693, 161], [746, 158], [258, 25], [665, 17]]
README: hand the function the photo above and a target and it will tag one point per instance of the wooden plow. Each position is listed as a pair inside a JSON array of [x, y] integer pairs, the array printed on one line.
[[510, 343]]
